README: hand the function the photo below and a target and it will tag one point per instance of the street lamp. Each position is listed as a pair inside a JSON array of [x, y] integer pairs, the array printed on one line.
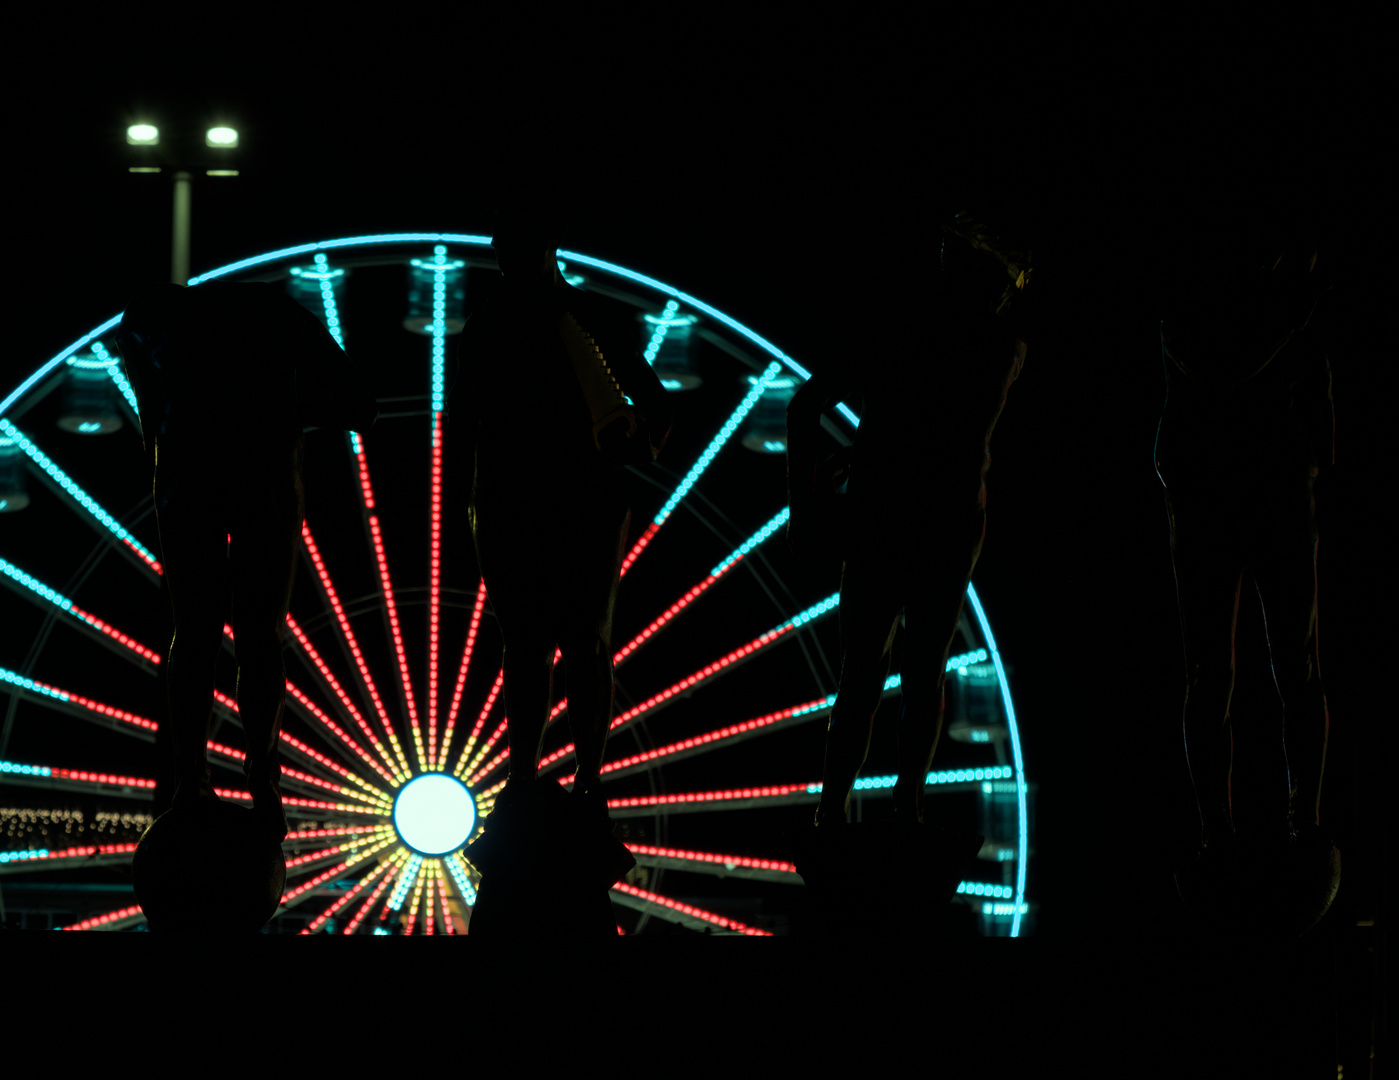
[[184, 157]]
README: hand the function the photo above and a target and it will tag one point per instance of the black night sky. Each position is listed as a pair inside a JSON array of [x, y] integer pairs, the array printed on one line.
[[735, 164]]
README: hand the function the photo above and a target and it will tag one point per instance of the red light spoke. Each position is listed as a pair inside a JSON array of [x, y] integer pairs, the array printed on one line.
[[640, 546], [693, 912], [719, 735], [105, 710], [434, 591], [447, 923], [228, 703], [350, 640], [396, 633], [102, 920], [115, 634], [462, 767], [77, 852], [367, 906], [335, 728], [339, 691], [710, 857], [703, 674], [461, 673], [100, 778], [321, 919], [655, 627], [771, 791]]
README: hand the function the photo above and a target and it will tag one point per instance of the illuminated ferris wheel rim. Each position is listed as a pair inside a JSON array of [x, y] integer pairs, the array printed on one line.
[[679, 296]]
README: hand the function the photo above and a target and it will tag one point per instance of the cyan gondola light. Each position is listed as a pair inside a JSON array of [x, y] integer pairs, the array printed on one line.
[[89, 402], [667, 346], [12, 494], [766, 432], [436, 288]]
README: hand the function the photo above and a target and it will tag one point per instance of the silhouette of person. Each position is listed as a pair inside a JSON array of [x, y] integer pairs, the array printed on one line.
[[545, 372], [916, 493], [1247, 427], [226, 375]]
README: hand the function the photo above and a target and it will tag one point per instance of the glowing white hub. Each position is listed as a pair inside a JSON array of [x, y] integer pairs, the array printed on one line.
[[434, 814]]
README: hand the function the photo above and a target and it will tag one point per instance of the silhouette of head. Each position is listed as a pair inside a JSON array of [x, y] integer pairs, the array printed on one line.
[[156, 310], [529, 224]]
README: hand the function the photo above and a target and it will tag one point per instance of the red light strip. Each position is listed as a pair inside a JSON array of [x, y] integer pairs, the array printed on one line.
[[98, 707], [462, 767], [461, 675], [387, 586], [333, 766], [434, 592], [447, 925], [321, 919], [116, 635], [287, 800], [232, 706], [335, 728], [693, 912], [367, 906], [423, 872], [504, 725], [101, 920], [811, 708], [377, 540], [377, 798], [713, 796], [350, 639], [79, 852], [100, 778], [344, 830], [635, 553], [339, 691], [674, 610], [702, 675], [710, 857], [326, 875]]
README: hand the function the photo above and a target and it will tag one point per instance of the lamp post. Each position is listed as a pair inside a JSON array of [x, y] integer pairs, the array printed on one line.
[[184, 158]]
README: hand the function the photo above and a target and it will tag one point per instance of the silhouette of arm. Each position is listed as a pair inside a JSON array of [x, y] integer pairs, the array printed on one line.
[[815, 396], [635, 376], [331, 391], [146, 385]]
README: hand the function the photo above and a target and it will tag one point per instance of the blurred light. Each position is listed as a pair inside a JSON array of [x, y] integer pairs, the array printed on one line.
[[142, 135], [223, 137]]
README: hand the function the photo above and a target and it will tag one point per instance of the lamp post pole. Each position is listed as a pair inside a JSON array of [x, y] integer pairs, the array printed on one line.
[[179, 239], [151, 156]]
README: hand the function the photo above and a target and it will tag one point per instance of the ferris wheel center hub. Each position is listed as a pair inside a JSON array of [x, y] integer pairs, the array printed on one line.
[[434, 814]]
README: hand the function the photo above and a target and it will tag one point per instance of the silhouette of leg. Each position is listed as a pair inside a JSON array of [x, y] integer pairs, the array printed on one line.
[[516, 564], [262, 565], [871, 598], [588, 597], [194, 553], [1209, 571], [1285, 572], [930, 616]]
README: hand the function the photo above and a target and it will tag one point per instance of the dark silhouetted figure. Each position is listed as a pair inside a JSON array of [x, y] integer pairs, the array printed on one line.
[[1246, 430], [914, 519], [546, 373], [226, 376]]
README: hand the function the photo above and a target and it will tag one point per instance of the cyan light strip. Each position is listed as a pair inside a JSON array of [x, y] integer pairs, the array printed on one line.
[[16, 856], [1023, 850], [12, 571], [948, 776], [117, 375], [24, 770], [458, 872], [84, 500], [405, 882], [717, 443], [753, 541], [29, 684]]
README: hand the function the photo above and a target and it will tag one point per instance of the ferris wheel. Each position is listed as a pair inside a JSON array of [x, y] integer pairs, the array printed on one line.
[[393, 743]]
